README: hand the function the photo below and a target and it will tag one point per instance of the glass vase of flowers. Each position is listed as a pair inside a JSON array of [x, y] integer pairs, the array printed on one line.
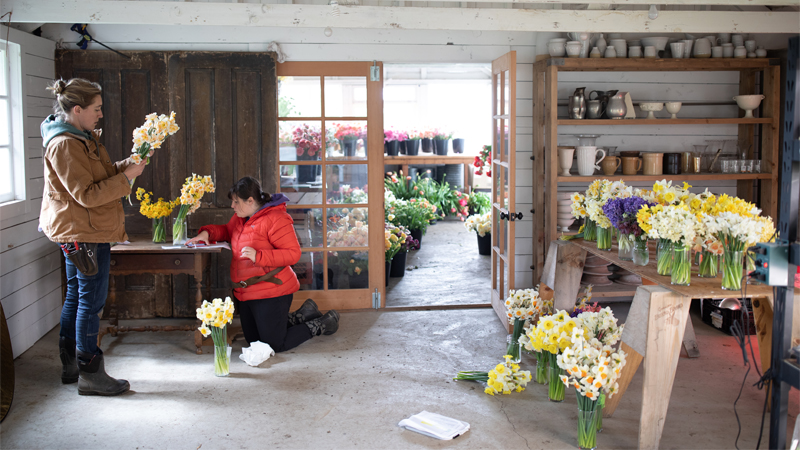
[[603, 238], [191, 192], [215, 316], [621, 212], [522, 305], [157, 211]]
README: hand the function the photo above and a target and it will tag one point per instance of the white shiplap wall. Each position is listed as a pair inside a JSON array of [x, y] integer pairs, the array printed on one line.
[[30, 265]]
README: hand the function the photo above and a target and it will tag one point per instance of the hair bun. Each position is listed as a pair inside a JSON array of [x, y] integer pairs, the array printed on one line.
[[59, 86]]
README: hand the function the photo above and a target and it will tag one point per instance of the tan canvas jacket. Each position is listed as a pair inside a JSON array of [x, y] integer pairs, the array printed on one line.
[[83, 192]]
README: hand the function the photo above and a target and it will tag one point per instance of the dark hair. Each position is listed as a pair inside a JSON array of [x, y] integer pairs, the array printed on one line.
[[249, 187], [75, 92]]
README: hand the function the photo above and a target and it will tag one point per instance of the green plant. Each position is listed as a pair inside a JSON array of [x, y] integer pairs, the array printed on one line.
[[414, 214], [479, 202], [400, 187]]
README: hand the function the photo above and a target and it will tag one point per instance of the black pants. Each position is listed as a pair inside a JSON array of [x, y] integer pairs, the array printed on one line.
[[267, 320]]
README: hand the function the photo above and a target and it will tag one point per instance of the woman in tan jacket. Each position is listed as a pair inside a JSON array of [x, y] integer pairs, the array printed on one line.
[[82, 203]]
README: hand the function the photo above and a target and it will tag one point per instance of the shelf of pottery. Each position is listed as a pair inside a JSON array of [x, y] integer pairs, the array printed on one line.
[[596, 45], [643, 120]]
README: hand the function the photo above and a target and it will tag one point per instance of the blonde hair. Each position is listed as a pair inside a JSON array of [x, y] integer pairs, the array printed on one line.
[[75, 92]]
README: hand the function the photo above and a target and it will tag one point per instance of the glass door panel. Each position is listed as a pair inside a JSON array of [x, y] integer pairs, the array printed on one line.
[[346, 184], [347, 140], [299, 97], [345, 97]]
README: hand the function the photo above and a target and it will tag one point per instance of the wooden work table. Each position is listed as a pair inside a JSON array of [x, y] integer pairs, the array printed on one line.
[[430, 158], [656, 325], [142, 256]]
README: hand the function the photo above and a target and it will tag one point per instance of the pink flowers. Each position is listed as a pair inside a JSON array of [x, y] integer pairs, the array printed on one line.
[[307, 140], [394, 135]]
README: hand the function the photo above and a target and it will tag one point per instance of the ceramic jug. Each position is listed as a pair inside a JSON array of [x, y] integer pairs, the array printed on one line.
[[610, 165], [615, 108], [603, 96], [631, 165], [586, 159], [577, 104], [653, 163], [594, 109]]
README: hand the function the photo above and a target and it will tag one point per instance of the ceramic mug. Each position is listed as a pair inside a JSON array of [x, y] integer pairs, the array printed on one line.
[[727, 50], [631, 165], [557, 49], [702, 48], [635, 51], [677, 49], [610, 165], [652, 163], [716, 51], [740, 52], [620, 46], [573, 49], [587, 161], [724, 38], [687, 47], [750, 46], [737, 40], [650, 52], [713, 40]]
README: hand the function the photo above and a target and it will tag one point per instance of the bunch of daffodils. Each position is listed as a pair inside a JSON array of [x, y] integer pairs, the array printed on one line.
[[734, 230], [191, 192], [150, 136], [600, 327], [591, 369], [664, 193], [479, 223], [551, 334], [578, 205], [675, 223], [503, 379], [153, 210], [215, 315], [523, 304]]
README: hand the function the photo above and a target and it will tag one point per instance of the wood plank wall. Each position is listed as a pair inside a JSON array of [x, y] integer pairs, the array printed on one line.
[[30, 265]]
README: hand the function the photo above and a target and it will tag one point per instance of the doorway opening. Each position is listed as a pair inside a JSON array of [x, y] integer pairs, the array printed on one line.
[[439, 115]]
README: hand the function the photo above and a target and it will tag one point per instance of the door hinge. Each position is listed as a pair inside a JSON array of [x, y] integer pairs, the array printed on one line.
[[511, 216], [376, 299], [375, 72]]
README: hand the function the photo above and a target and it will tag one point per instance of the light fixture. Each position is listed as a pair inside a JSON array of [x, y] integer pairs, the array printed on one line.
[[334, 8], [328, 32], [652, 13]]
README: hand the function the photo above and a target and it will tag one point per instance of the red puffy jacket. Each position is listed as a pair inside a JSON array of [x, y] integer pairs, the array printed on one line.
[[271, 233]]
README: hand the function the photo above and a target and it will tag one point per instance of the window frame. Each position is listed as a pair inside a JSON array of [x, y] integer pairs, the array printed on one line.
[[17, 203]]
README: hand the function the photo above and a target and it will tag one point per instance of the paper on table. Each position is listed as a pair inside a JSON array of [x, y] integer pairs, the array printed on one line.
[[224, 245], [435, 425]]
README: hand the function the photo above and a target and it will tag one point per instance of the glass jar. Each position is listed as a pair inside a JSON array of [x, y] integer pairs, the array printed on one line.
[[641, 253], [625, 242], [603, 238], [681, 265], [664, 257]]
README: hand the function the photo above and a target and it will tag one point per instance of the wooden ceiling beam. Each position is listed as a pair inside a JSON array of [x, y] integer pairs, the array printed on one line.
[[410, 18]]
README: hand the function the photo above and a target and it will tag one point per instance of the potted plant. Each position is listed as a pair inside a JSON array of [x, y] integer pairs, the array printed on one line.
[[308, 144], [427, 141], [482, 225], [479, 203], [412, 142], [394, 240], [458, 145], [398, 266], [414, 214], [348, 136], [441, 140], [392, 139]]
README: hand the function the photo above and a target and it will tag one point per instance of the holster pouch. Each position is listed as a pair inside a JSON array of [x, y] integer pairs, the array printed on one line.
[[83, 255]]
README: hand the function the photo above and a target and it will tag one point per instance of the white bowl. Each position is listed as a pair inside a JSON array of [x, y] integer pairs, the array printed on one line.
[[660, 42], [673, 108], [564, 209], [651, 107], [748, 103], [564, 202], [565, 223], [564, 195], [564, 216]]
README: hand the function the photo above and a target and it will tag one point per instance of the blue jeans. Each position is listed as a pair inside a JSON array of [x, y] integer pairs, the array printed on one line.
[[86, 297]]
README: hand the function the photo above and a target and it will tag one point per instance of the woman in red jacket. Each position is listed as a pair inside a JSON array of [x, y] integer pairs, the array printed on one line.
[[265, 246]]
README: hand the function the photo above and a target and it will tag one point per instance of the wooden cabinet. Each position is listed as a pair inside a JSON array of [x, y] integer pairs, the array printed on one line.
[[759, 136]]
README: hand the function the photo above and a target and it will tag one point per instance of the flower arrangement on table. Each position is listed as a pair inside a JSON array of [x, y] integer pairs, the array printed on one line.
[[592, 368], [550, 337], [215, 316], [484, 160], [307, 140], [479, 223], [675, 226], [157, 211], [149, 137], [600, 192], [621, 212], [503, 379], [522, 307], [191, 192], [394, 239]]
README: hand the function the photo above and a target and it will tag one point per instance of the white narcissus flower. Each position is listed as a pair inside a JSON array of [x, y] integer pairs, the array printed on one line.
[[204, 329]]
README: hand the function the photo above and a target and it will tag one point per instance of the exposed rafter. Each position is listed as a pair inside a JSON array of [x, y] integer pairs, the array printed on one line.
[[411, 18]]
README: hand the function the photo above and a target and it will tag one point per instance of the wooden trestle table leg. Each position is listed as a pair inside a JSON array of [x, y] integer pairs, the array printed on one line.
[[633, 361], [689, 338], [562, 271]]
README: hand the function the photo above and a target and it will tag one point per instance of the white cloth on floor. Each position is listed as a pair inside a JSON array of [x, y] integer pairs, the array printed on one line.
[[257, 353]]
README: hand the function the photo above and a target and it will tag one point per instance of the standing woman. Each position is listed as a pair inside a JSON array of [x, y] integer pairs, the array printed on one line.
[[265, 246], [82, 203]]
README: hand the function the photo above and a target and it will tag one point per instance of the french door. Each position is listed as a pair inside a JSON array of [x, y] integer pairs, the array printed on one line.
[[330, 120], [504, 80]]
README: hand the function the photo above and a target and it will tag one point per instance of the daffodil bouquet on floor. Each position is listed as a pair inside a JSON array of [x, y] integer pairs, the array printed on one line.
[[503, 379], [550, 337], [158, 211], [215, 316], [522, 307], [192, 191], [149, 137], [593, 369]]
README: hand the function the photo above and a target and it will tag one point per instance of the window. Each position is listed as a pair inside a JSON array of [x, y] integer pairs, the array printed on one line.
[[12, 158]]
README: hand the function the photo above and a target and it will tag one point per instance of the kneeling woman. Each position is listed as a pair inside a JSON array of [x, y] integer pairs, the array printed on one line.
[[265, 246]]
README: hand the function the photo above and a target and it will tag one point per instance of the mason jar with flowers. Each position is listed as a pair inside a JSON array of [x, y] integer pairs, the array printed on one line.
[[677, 225], [632, 241], [157, 211]]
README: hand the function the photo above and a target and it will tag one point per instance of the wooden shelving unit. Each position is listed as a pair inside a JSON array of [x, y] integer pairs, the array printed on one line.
[[546, 123]]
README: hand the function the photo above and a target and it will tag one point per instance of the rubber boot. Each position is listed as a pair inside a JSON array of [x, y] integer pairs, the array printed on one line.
[[69, 365], [93, 377], [308, 311], [327, 324]]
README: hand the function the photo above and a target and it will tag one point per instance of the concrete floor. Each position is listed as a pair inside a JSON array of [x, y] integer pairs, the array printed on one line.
[[446, 270], [351, 389]]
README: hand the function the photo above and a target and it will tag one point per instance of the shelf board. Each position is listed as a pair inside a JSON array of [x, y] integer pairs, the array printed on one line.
[[666, 121], [641, 64], [679, 177], [612, 290]]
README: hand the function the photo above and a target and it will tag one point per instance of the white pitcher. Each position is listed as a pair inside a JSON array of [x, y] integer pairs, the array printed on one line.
[[586, 159]]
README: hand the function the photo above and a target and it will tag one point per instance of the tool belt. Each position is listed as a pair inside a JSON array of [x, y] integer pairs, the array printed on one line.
[[268, 277], [83, 255]]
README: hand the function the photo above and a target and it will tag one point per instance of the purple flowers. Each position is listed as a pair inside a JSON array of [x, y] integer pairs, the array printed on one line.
[[622, 214]]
